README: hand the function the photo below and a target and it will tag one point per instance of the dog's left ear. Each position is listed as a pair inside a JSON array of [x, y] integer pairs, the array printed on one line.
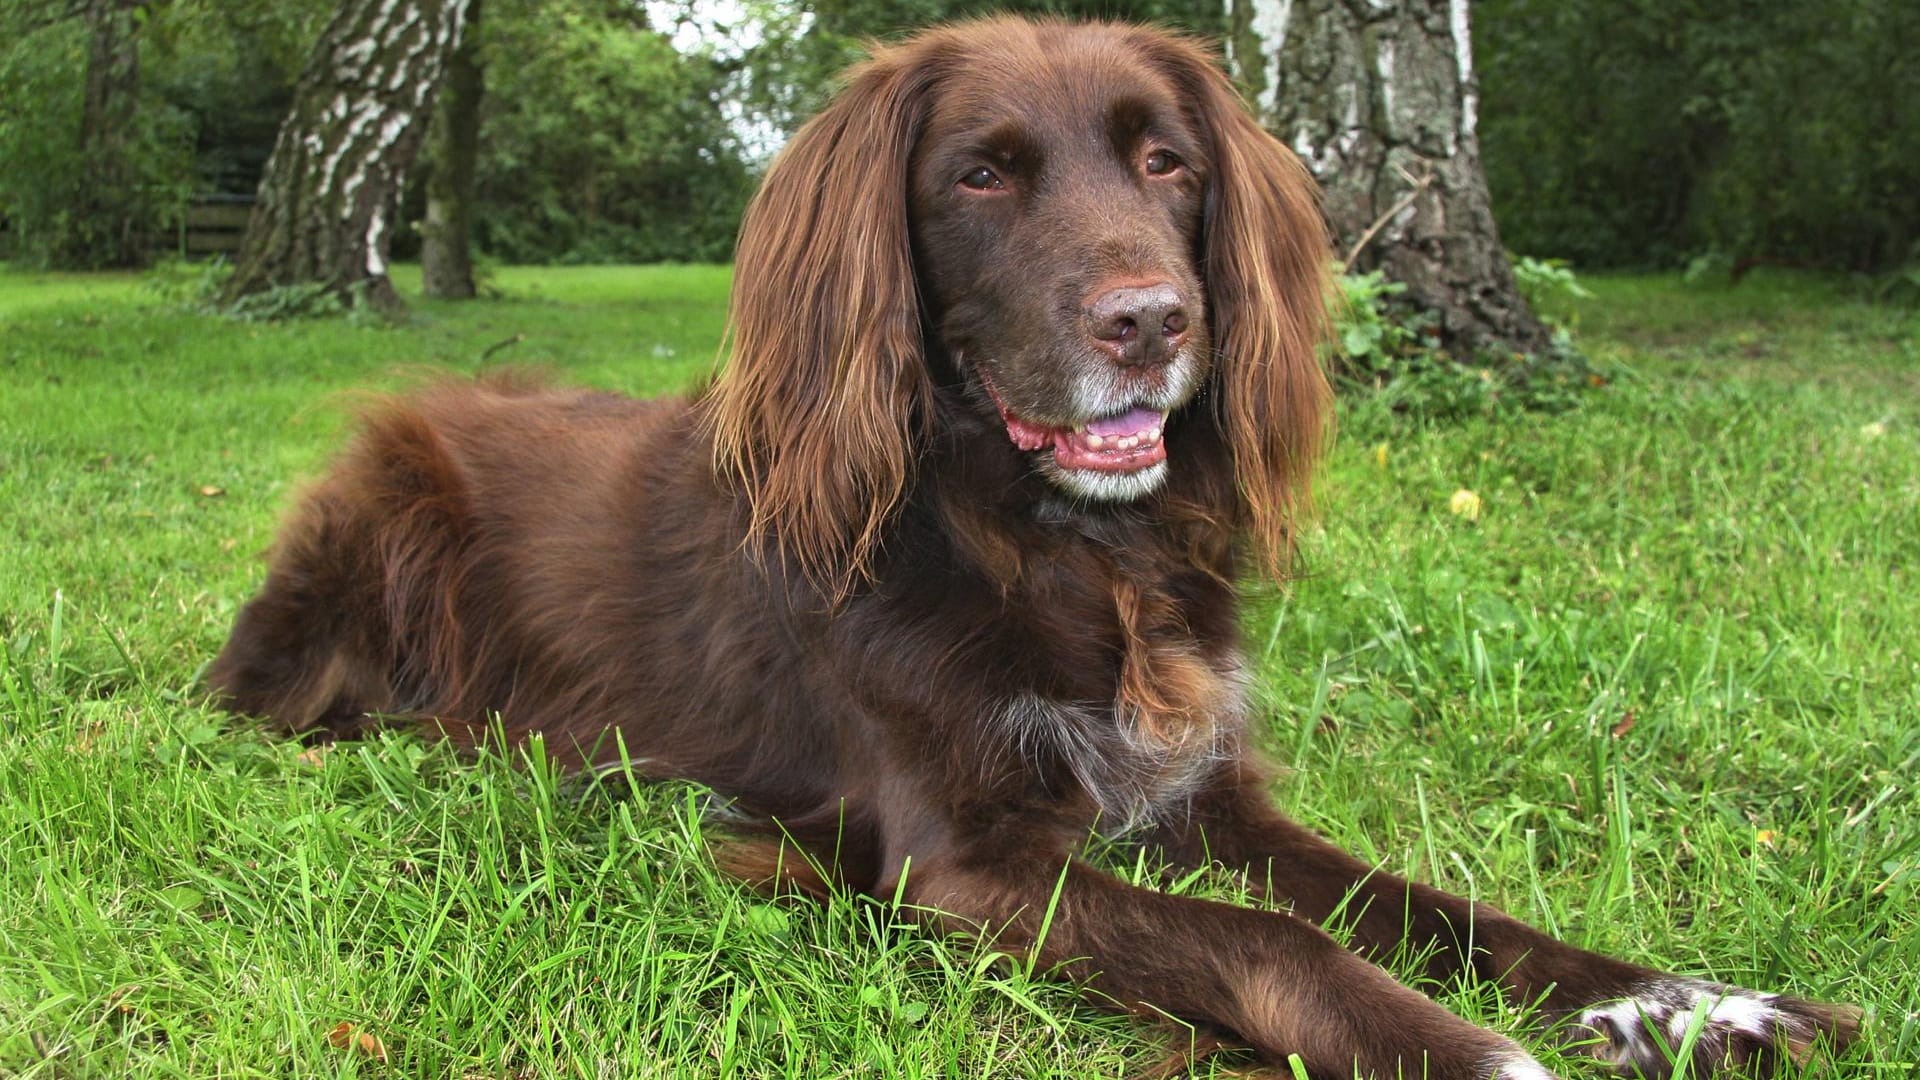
[[1266, 267], [815, 413]]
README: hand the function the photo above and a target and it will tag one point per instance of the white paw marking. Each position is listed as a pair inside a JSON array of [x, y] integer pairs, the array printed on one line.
[[1648, 1028], [1516, 1065]]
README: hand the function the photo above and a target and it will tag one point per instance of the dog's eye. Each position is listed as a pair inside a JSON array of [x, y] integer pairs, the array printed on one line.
[[982, 179], [1162, 163]]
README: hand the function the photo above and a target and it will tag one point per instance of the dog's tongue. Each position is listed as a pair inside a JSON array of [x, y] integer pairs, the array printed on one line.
[[1113, 444], [1130, 423]]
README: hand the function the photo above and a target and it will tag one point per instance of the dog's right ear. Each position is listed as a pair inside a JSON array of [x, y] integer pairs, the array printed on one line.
[[814, 414]]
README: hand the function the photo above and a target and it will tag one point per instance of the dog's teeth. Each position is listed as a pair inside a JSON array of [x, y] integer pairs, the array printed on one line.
[[1096, 442], [1128, 442], [1154, 435]]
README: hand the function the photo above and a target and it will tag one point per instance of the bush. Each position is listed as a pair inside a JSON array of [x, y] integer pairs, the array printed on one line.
[[1389, 350], [603, 145], [60, 211], [1641, 132]]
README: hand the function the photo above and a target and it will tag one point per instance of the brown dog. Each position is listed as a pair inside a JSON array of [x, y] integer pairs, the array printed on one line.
[[940, 570]]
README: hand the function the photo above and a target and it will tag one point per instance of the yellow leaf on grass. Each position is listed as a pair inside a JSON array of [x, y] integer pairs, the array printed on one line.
[[1465, 504]]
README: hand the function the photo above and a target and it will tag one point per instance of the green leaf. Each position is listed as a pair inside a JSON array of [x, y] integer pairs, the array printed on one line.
[[1356, 340], [182, 898], [769, 921]]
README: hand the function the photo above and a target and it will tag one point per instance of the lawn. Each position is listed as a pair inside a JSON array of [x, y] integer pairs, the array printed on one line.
[[1662, 696]]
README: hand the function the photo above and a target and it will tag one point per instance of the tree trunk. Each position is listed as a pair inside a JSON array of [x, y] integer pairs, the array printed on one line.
[[360, 110], [1378, 98], [453, 148], [108, 226]]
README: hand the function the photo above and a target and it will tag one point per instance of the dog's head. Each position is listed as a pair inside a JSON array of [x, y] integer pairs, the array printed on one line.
[[1084, 222]]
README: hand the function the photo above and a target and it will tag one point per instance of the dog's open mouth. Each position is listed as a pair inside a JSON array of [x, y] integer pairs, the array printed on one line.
[[1125, 443]]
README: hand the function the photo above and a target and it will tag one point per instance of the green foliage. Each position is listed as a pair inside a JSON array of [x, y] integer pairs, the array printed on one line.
[[56, 217], [1389, 351], [1642, 131], [601, 144], [187, 284], [1901, 286], [788, 76], [215, 77], [1369, 336], [1541, 279], [301, 300], [199, 288], [231, 65], [888, 18]]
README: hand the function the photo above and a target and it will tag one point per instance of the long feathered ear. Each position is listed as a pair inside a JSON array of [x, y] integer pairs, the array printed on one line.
[[814, 415], [1266, 265]]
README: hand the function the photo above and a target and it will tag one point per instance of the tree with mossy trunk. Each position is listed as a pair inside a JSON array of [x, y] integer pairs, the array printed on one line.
[[80, 187], [110, 215], [453, 154], [1378, 98], [324, 214]]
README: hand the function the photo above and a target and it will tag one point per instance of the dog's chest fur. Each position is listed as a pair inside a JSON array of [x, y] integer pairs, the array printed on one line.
[[1140, 748]]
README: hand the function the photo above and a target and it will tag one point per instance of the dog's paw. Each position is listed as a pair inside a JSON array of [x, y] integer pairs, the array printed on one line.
[[1729, 1028]]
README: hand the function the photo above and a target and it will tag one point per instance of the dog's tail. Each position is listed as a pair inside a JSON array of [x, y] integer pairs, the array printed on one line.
[[359, 616]]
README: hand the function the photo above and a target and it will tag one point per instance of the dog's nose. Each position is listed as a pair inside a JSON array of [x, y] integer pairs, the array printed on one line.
[[1138, 324]]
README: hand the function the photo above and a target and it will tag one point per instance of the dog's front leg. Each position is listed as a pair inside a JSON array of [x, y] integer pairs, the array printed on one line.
[[1277, 982], [1635, 1017]]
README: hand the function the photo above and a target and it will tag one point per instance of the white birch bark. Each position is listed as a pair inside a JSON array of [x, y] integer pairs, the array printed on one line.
[[1378, 98], [361, 108]]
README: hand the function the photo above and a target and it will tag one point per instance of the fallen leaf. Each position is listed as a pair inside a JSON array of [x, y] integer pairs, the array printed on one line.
[[345, 1036], [1625, 725], [212, 492], [1465, 504], [117, 1002]]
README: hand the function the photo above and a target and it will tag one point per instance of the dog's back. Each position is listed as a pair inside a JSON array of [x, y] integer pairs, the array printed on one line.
[[494, 548]]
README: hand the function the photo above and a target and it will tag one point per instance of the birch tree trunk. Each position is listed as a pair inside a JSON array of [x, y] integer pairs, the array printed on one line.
[[360, 109], [1378, 99], [453, 151]]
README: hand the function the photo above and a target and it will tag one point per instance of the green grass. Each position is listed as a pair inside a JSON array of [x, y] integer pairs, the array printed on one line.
[[1660, 697]]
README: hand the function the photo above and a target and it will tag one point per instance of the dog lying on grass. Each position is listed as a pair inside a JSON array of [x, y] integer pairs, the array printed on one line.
[[940, 570]]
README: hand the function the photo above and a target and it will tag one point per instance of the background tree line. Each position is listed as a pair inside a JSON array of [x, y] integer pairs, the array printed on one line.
[[1613, 132], [601, 143], [1633, 132]]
